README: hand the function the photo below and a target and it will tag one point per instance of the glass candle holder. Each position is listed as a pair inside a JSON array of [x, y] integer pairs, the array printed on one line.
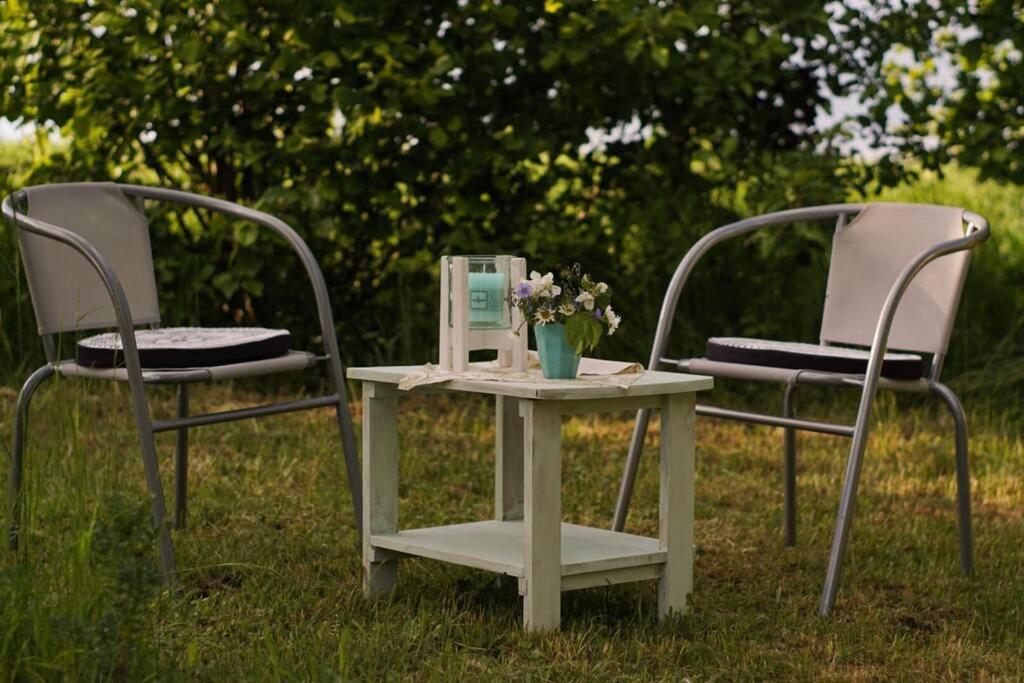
[[487, 289]]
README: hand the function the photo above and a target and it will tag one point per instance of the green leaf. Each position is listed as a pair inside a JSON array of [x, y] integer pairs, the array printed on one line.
[[330, 59], [583, 332], [659, 53], [633, 50], [437, 137], [551, 60], [343, 15]]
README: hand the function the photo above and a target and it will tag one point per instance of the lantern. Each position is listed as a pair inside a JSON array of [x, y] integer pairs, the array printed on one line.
[[476, 312]]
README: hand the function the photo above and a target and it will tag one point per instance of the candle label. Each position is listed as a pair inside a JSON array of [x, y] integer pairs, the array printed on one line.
[[478, 299], [487, 307]]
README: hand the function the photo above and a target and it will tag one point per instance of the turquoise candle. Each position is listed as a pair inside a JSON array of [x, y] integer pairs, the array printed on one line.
[[487, 300]]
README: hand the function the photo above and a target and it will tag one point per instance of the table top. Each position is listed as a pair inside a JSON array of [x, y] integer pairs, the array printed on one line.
[[652, 383]]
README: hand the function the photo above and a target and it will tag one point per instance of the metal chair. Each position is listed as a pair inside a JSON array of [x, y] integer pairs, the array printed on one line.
[[87, 257], [887, 287]]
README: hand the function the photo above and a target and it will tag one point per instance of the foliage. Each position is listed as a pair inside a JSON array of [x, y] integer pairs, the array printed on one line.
[[389, 133], [18, 338], [945, 86]]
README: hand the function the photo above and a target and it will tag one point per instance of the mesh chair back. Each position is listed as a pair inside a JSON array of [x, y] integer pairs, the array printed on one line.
[[67, 293], [868, 255]]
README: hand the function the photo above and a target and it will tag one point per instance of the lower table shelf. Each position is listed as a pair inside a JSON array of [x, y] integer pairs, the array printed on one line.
[[590, 556]]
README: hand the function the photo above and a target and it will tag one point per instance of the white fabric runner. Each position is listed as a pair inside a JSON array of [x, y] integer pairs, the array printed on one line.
[[592, 371]]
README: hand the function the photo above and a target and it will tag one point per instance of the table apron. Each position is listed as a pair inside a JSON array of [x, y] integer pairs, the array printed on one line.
[[607, 577], [601, 405]]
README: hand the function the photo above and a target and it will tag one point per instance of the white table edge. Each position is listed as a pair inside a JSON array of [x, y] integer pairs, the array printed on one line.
[[666, 383]]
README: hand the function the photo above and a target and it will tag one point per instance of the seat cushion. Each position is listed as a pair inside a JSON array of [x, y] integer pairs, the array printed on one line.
[[799, 356], [186, 347]]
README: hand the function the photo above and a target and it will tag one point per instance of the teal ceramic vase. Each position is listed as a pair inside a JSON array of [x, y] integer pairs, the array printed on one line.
[[558, 360]]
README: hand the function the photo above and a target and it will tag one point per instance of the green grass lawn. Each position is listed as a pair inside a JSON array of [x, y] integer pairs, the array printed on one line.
[[271, 568]]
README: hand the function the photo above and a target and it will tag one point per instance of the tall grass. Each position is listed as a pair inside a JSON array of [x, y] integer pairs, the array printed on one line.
[[270, 586]]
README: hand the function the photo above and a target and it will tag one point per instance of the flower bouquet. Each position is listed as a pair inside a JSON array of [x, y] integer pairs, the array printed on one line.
[[569, 319]]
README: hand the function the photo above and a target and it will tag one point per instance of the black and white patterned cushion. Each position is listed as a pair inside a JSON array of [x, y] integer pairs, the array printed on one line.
[[187, 347], [800, 356]]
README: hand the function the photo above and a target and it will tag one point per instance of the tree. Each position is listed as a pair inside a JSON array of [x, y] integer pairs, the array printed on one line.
[[389, 132], [946, 84]]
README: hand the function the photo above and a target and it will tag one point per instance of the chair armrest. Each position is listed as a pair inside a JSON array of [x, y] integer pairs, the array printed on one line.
[[977, 233], [717, 236], [102, 267], [264, 220]]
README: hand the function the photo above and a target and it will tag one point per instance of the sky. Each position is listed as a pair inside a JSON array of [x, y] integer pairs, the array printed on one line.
[[8, 131]]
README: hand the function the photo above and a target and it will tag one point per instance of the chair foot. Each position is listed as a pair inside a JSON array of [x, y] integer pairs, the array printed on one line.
[[150, 464], [352, 471], [636, 445], [847, 506], [789, 471], [15, 478], [963, 476], [181, 462]]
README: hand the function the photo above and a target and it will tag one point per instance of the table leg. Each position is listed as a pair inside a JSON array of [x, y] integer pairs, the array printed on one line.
[[676, 503], [542, 518], [508, 459], [380, 483]]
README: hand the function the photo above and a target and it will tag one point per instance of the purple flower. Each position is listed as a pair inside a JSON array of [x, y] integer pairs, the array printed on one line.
[[523, 290], [598, 314]]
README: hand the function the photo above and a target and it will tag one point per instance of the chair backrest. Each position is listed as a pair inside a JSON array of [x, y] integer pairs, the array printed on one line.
[[868, 255], [67, 293]]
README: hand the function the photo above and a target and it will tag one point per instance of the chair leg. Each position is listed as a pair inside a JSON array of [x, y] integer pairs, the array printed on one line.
[[963, 476], [789, 471], [181, 462], [348, 436], [352, 471], [14, 493], [847, 505], [147, 446], [636, 444]]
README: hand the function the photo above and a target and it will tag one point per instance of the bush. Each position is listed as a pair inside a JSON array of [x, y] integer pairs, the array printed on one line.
[[389, 133]]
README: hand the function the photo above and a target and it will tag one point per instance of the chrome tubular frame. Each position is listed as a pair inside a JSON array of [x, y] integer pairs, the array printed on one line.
[[140, 407], [977, 232]]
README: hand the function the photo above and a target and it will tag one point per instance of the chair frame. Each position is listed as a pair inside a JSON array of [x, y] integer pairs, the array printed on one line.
[[976, 233], [145, 425]]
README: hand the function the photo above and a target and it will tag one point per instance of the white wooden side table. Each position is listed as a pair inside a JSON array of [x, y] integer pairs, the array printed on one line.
[[527, 539]]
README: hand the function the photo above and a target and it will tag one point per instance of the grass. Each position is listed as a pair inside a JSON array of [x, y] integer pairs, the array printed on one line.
[[271, 569]]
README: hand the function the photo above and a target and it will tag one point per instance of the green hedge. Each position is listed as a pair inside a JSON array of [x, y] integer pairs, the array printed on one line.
[[767, 285], [389, 133]]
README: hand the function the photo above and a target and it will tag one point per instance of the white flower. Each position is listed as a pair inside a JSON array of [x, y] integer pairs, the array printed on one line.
[[567, 309], [544, 315], [613, 320], [601, 288], [586, 299], [544, 285], [539, 281]]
